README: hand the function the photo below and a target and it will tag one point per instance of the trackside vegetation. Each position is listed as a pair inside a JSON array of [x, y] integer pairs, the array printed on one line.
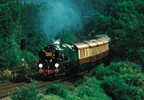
[[125, 83], [27, 93]]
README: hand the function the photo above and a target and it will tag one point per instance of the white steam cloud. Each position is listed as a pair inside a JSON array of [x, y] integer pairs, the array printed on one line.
[[60, 15]]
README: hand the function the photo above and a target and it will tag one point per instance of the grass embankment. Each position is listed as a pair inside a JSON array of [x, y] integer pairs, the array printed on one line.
[[119, 81]]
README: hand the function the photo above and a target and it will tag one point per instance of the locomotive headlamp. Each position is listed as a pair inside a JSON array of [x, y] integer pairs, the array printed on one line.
[[56, 65], [40, 65]]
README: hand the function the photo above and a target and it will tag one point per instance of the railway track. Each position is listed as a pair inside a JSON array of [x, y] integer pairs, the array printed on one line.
[[11, 87]]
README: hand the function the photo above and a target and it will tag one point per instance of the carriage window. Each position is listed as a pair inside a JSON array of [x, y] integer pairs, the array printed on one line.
[[82, 53], [86, 52], [98, 50], [94, 51]]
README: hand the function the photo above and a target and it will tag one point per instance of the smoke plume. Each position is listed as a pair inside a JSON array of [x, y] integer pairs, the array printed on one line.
[[60, 15]]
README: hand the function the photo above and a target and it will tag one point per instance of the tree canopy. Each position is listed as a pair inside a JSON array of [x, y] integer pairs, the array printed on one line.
[[126, 31]]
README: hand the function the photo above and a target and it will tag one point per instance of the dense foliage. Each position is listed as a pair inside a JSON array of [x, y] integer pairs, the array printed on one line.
[[121, 81], [126, 31], [56, 89], [28, 93], [19, 21], [88, 89]]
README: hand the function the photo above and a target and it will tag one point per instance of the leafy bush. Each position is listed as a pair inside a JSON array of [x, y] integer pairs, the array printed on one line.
[[85, 90], [73, 96], [125, 67], [115, 69], [27, 93], [87, 87], [101, 72], [6, 74], [56, 89], [52, 97], [121, 80], [136, 80], [90, 89], [79, 82], [118, 90]]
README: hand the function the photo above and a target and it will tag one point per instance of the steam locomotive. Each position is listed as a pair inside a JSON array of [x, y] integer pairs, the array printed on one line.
[[58, 59]]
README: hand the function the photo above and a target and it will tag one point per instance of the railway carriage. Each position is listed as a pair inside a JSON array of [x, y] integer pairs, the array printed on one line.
[[58, 59], [91, 51]]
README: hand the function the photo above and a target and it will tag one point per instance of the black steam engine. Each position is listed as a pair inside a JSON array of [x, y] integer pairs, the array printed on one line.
[[58, 59]]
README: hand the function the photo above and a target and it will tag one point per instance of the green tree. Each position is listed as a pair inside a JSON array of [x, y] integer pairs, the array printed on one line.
[[10, 53], [19, 21], [126, 32]]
